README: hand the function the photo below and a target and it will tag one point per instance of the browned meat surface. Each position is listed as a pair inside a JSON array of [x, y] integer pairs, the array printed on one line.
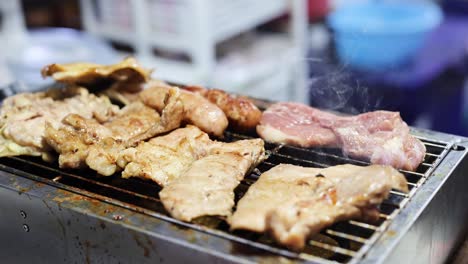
[[85, 142], [294, 202], [381, 137], [198, 175], [242, 114], [126, 81], [207, 186], [127, 71], [164, 158], [23, 117], [198, 110]]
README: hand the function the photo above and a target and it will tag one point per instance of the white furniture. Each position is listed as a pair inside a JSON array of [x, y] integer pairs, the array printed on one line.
[[12, 36], [194, 28]]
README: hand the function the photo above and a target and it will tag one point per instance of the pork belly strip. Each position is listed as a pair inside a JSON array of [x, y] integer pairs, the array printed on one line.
[[242, 114], [198, 110], [127, 71], [207, 187], [23, 117], [198, 175], [381, 137], [293, 202], [83, 142]]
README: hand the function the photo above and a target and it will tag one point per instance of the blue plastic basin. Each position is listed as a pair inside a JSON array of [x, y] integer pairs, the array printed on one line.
[[377, 36]]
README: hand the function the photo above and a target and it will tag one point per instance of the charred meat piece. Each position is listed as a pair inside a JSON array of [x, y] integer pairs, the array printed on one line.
[[90, 74], [198, 110], [293, 202], [207, 187], [85, 142], [23, 117], [242, 114], [381, 137]]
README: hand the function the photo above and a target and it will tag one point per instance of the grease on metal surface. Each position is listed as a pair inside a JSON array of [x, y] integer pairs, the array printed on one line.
[[117, 217], [146, 251]]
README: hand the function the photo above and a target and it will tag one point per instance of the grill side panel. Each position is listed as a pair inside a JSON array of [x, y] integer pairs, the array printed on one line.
[[434, 222], [44, 224], [440, 228]]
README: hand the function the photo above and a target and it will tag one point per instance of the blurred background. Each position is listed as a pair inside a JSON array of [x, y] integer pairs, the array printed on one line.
[[350, 56]]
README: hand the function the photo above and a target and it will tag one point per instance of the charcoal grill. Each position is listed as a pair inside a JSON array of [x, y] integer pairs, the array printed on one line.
[[50, 215]]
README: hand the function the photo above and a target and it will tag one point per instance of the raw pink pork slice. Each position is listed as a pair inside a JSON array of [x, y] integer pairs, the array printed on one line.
[[381, 137]]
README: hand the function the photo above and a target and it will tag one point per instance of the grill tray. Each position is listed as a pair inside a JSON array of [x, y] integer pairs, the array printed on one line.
[[344, 242]]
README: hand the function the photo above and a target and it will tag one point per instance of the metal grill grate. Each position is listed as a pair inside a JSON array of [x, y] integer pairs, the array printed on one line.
[[343, 242]]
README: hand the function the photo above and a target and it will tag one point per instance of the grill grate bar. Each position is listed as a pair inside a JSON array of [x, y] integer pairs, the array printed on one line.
[[346, 236], [332, 248], [434, 145], [399, 193], [62, 173], [384, 216], [319, 164], [361, 224], [431, 141], [330, 155], [413, 172]]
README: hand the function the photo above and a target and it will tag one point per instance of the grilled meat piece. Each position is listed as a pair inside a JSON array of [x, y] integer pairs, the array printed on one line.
[[90, 74], [165, 158], [198, 175], [125, 82], [294, 202], [242, 114], [85, 142], [23, 117], [198, 110], [207, 187], [381, 136]]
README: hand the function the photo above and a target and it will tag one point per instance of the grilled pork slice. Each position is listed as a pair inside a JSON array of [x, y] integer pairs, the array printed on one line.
[[198, 110], [198, 175], [294, 202], [164, 158], [243, 115], [23, 117], [85, 142], [381, 137], [207, 187], [86, 74]]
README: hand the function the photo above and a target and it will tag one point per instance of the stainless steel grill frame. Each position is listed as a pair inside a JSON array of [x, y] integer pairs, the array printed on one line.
[[82, 217]]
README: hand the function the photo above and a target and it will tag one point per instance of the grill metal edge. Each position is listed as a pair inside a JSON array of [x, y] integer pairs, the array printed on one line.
[[433, 222]]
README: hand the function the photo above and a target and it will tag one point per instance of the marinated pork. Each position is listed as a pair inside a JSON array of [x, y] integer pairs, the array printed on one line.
[[85, 142], [198, 110], [198, 175], [242, 114], [23, 117], [207, 187], [90, 74], [293, 202], [164, 158], [381, 137]]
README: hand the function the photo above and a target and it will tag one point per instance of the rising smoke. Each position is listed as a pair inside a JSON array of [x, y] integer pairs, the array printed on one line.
[[336, 88]]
